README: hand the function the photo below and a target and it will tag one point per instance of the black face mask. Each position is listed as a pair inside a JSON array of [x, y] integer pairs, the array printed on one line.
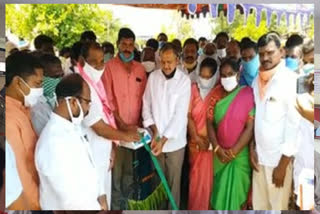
[[170, 75]]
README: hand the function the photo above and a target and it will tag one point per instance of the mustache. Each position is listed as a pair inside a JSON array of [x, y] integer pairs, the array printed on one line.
[[264, 62], [127, 52]]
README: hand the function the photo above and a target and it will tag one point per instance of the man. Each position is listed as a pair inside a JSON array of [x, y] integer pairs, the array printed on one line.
[[88, 36], [24, 78], [153, 43], [165, 110], [189, 63], [249, 61], [148, 59], [124, 80], [177, 44], [221, 42], [233, 50], [294, 54], [44, 44], [40, 113], [162, 39], [68, 179], [100, 119], [202, 43], [276, 128], [108, 50], [74, 58], [308, 56]]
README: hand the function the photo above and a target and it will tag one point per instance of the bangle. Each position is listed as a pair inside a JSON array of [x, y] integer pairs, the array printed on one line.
[[216, 149], [232, 153]]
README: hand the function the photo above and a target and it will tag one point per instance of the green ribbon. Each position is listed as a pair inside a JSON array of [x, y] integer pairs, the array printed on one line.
[[160, 172]]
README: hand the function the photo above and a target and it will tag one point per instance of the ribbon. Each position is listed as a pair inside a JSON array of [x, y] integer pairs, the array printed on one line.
[[160, 173]]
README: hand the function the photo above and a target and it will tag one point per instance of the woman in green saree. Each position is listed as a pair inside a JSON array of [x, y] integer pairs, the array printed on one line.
[[230, 130]]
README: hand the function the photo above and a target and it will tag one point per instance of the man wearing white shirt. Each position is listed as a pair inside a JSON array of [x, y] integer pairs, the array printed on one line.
[[100, 120], [68, 177], [165, 110], [190, 65], [276, 128]]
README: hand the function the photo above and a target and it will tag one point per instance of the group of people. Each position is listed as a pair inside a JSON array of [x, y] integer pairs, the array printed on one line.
[[228, 108]]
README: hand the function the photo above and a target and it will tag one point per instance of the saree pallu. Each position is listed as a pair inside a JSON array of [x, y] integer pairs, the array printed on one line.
[[201, 162], [232, 180]]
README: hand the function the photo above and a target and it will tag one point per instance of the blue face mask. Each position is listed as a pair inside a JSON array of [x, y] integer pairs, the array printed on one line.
[[200, 51], [125, 59], [161, 44], [250, 69], [292, 63], [107, 57]]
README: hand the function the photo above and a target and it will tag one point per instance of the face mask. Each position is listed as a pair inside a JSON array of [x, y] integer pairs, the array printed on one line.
[[93, 73], [49, 87], [292, 63], [207, 83], [229, 83], [190, 66], [161, 44], [124, 59], [149, 66], [222, 53], [200, 51], [307, 68], [75, 120], [32, 98], [107, 57], [250, 69]]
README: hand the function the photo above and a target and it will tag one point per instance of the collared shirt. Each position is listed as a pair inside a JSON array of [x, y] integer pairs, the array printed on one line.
[[68, 177], [166, 104], [192, 75], [22, 138], [40, 114], [13, 183], [277, 120], [125, 89]]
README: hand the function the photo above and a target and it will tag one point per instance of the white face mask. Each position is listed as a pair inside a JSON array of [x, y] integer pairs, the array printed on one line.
[[33, 97], [92, 72], [149, 66], [75, 120], [229, 83], [207, 83], [222, 52]]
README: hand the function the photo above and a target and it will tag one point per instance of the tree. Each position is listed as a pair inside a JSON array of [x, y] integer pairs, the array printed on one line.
[[62, 22], [238, 29]]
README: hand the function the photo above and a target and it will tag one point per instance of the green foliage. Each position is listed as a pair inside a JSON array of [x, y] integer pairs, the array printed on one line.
[[63, 22], [238, 29]]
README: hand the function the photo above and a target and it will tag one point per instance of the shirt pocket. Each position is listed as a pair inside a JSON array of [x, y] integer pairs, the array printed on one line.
[[274, 111]]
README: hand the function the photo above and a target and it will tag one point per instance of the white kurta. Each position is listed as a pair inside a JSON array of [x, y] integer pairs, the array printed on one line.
[[276, 120], [13, 183], [40, 115], [68, 177], [101, 147], [166, 104]]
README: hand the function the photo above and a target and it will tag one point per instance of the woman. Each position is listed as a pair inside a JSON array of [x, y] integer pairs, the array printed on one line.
[[200, 160], [230, 131]]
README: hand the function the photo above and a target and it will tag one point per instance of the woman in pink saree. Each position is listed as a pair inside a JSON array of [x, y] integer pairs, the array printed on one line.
[[203, 92], [230, 130]]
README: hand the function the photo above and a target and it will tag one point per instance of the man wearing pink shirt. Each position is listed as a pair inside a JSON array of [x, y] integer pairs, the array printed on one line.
[[124, 80]]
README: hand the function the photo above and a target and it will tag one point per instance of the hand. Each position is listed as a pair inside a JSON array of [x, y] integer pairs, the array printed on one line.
[[112, 159], [103, 202], [203, 143], [156, 147], [224, 155], [254, 159], [132, 136], [278, 176]]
